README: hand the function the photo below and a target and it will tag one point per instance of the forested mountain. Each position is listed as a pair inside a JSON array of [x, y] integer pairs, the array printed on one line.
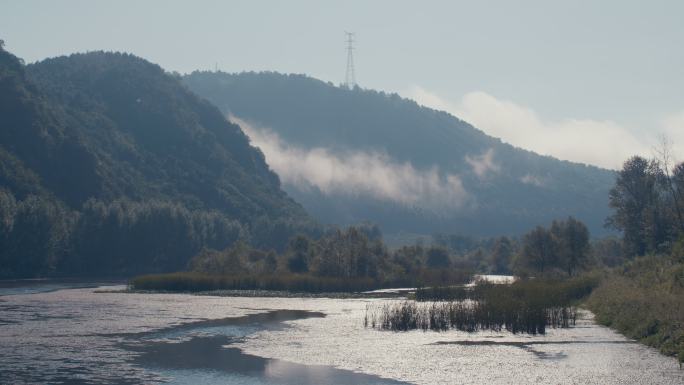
[[452, 178], [109, 165]]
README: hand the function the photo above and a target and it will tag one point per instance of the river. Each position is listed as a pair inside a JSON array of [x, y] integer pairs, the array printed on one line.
[[85, 334]]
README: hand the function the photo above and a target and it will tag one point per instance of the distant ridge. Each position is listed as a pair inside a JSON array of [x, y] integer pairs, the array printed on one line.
[[506, 190]]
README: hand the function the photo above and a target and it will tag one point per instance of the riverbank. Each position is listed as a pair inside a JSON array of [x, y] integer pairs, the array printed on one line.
[[116, 338], [195, 282], [269, 293], [644, 300]]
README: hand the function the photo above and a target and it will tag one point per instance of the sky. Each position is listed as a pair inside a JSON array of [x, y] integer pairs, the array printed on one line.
[[587, 81]]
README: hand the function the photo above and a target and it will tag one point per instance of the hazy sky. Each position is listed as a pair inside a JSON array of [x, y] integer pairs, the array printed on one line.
[[590, 81]]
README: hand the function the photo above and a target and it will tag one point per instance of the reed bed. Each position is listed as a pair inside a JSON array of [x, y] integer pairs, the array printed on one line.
[[199, 282], [468, 316], [529, 306]]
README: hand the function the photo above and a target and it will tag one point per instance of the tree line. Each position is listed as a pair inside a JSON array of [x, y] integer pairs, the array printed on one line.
[[350, 253], [40, 236], [564, 248]]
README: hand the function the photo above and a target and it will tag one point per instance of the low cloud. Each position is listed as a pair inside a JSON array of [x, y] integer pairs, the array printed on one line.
[[357, 173], [483, 164], [533, 180], [601, 143]]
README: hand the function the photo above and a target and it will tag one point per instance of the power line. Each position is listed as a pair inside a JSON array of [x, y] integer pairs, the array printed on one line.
[[350, 77]]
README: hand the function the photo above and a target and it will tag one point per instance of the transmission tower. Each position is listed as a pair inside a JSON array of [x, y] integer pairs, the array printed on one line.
[[350, 78]]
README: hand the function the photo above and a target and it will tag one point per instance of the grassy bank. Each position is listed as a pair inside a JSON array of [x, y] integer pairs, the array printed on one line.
[[194, 282], [199, 282], [644, 300]]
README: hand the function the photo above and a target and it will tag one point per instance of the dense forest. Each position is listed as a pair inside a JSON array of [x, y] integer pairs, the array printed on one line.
[[505, 190], [110, 166]]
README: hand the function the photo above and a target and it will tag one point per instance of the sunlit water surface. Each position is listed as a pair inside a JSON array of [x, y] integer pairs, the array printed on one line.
[[87, 336]]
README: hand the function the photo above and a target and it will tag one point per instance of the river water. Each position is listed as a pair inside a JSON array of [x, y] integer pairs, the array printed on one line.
[[92, 335]]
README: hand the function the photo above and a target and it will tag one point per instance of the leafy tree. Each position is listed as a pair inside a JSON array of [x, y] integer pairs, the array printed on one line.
[[300, 252], [349, 253], [642, 209], [608, 251], [563, 247], [538, 250], [231, 261], [572, 244], [438, 258], [500, 257], [409, 258]]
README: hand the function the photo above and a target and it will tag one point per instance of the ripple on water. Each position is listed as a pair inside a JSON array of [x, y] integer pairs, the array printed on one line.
[[82, 336]]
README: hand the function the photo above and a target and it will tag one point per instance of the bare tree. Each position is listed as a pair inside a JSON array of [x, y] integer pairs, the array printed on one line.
[[663, 155]]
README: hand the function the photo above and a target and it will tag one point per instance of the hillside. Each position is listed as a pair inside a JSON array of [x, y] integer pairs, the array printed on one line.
[[109, 165], [449, 176]]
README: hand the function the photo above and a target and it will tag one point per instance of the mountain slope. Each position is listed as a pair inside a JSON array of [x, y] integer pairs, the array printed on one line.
[[145, 172], [148, 136], [458, 179]]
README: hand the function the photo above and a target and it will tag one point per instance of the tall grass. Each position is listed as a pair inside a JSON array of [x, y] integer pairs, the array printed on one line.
[[197, 282], [521, 307], [644, 300], [308, 283], [469, 316]]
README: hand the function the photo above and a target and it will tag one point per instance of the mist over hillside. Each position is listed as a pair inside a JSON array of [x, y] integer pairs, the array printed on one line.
[[354, 155]]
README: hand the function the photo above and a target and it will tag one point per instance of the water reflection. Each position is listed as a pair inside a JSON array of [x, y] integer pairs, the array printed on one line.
[[202, 350], [34, 286], [96, 336]]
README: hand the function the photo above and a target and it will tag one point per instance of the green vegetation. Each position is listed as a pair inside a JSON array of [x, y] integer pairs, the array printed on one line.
[[562, 249], [350, 260], [359, 253], [300, 283], [648, 203], [644, 297], [110, 166], [644, 300]]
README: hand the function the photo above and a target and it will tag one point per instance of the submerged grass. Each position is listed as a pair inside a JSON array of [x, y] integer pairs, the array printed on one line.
[[469, 316], [529, 306]]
